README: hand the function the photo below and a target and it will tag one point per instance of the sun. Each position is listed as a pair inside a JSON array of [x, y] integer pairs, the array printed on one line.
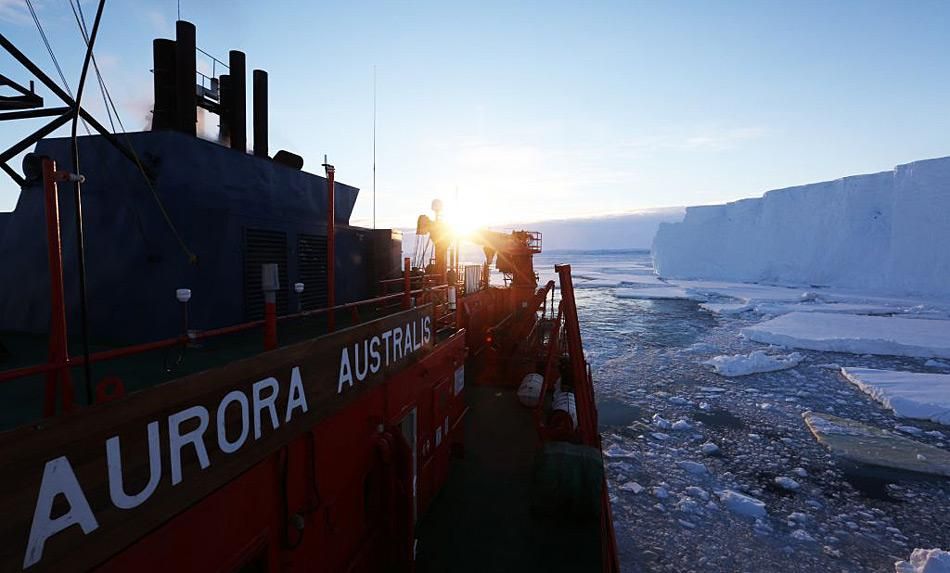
[[464, 222]]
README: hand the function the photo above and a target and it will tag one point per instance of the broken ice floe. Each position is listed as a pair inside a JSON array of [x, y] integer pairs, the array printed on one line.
[[922, 396], [742, 504], [864, 444], [925, 561], [752, 363], [884, 335]]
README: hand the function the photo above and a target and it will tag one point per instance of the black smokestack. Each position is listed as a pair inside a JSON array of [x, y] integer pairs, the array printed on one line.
[[186, 97], [260, 113], [164, 78], [237, 111], [224, 106]]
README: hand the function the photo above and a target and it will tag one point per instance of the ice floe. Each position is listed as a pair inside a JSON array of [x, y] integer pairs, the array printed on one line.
[[856, 334], [922, 396], [742, 504], [787, 483], [925, 561], [709, 449], [864, 444], [752, 363]]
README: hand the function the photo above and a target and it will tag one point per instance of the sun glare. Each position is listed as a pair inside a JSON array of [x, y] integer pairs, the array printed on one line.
[[464, 221]]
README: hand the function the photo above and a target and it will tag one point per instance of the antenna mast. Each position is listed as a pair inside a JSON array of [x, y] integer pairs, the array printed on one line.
[[374, 146]]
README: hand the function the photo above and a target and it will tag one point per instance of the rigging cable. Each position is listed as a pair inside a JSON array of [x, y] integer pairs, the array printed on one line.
[[52, 55], [103, 89], [77, 199], [107, 102], [49, 48], [192, 258]]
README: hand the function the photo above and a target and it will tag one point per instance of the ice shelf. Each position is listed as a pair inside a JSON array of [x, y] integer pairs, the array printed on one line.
[[884, 232]]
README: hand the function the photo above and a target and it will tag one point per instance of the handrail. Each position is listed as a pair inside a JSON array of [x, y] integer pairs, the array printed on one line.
[[412, 277], [73, 361]]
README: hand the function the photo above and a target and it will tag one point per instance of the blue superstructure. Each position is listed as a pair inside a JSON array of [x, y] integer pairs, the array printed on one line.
[[231, 209]]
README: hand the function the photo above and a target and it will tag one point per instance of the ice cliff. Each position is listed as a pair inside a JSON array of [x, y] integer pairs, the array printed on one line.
[[885, 232]]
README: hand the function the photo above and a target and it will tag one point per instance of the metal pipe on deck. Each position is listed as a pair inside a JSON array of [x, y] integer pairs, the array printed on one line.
[[186, 97], [58, 347], [331, 225], [406, 282]]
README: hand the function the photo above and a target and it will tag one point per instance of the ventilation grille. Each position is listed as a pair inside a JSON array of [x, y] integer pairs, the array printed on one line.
[[263, 247], [312, 268]]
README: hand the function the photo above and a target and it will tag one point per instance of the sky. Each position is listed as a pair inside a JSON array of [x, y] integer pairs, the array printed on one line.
[[524, 111]]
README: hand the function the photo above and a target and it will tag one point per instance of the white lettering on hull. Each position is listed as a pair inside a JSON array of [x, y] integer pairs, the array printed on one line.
[[114, 461], [397, 343], [60, 479]]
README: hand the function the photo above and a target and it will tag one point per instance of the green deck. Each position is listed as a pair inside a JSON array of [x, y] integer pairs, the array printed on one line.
[[482, 520]]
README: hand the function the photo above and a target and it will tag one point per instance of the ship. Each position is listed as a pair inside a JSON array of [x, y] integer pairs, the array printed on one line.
[[204, 366]]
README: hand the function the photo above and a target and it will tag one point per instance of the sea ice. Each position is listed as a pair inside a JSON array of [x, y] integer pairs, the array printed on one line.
[[802, 535], [694, 468], [697, 492], [616, 451], [681, 425], [788, 483], [925, 561], [632, 486], [922, 396], [709, 448], [885, 335], [752, 363], [742, 504]]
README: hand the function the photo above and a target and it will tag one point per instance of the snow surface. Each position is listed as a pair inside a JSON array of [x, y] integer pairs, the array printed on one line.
[[884, 232], [922, 396], [752, 363], [925, 561], [857, 334]]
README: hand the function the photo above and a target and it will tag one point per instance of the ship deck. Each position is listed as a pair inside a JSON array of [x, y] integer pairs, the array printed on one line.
[[482, 520]]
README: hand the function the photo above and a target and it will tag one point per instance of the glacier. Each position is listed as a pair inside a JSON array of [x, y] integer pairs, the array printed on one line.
[[884, 232]]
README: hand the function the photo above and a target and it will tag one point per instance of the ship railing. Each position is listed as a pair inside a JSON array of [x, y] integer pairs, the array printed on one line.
[[111, 387], [565, 336]]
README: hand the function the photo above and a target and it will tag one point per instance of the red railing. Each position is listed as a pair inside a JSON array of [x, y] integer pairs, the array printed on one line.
[[74, 361]]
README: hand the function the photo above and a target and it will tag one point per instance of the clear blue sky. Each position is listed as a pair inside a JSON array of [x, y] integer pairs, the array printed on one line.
[[556, 109]]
